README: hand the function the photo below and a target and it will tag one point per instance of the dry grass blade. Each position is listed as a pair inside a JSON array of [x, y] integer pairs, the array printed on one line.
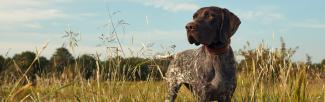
[[58, 89], [29, 85], [10, 96], [19, 71]]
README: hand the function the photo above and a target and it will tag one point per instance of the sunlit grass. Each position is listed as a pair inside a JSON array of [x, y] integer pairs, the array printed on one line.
[[264, 75], [139, 91]]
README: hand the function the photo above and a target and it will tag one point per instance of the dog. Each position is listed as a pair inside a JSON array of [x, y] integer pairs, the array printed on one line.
[[209, 71]]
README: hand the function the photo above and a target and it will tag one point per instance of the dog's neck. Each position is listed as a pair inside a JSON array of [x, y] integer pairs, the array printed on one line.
[[216, 51]]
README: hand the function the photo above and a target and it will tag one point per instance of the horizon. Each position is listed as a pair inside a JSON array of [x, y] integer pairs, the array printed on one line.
[[27, 24]]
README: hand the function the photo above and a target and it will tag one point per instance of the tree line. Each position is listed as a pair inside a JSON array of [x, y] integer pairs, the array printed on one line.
[[63, 65], [271, 64]]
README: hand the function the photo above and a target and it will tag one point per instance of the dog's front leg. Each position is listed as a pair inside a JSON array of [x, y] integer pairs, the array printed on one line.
[[173, 90]]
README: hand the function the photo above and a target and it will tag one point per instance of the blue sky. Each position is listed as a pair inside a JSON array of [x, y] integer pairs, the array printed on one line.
[[28, 24]]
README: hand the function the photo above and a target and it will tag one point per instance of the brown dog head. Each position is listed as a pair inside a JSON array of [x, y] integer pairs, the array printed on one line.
[[212, 27]]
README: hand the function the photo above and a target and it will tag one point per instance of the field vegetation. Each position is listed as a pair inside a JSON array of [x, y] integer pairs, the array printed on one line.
[[264, 74]]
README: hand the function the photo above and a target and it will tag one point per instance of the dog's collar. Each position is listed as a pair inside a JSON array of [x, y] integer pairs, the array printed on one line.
[[218, 51]]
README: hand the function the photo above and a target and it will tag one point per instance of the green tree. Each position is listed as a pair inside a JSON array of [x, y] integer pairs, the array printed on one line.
[[135, 68], [87, 65], [24, 61], [43, 66], [61, 59], [321, 66], [322, 62], [2, 61]]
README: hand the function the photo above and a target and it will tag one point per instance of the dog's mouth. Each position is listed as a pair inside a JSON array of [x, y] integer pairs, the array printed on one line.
[[218, 44], [192, 40]]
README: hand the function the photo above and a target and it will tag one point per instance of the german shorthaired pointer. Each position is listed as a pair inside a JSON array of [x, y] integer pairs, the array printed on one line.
[[209, 71]]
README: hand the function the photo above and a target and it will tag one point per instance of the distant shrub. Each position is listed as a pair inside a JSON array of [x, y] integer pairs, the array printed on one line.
[[87, 65], [133, 68], [269, 63], [60, 60]]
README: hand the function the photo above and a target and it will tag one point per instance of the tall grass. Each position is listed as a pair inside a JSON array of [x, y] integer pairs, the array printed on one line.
[[271, 75], [263, 75]]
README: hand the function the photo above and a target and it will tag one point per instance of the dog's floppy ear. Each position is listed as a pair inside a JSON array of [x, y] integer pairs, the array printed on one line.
[[230, 23]]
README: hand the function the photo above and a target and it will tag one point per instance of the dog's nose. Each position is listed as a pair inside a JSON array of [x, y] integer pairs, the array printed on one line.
[[191, 26]]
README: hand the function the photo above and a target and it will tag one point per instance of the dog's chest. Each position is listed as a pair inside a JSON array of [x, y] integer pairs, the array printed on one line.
[[195, 66], [206, 67]]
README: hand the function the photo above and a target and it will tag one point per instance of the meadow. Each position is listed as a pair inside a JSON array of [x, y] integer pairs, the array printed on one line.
[[264, 74]]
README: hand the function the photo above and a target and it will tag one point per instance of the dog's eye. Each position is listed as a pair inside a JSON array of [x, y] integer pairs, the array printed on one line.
[[195, 15], [206, 14]]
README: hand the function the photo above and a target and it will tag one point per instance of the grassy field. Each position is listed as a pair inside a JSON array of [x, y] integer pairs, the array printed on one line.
[[264, 75], [248, 89]]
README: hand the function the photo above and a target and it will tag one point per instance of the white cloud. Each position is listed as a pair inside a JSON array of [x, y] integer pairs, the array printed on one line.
[[160, 38], [22, 3], [11, 4], [170, 5], [317, 26], [265, 16], [257, 14], [17, 47], [11, 42], [33, 25], [28, 13], [310, 25], [156, 36], [13, 48]]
